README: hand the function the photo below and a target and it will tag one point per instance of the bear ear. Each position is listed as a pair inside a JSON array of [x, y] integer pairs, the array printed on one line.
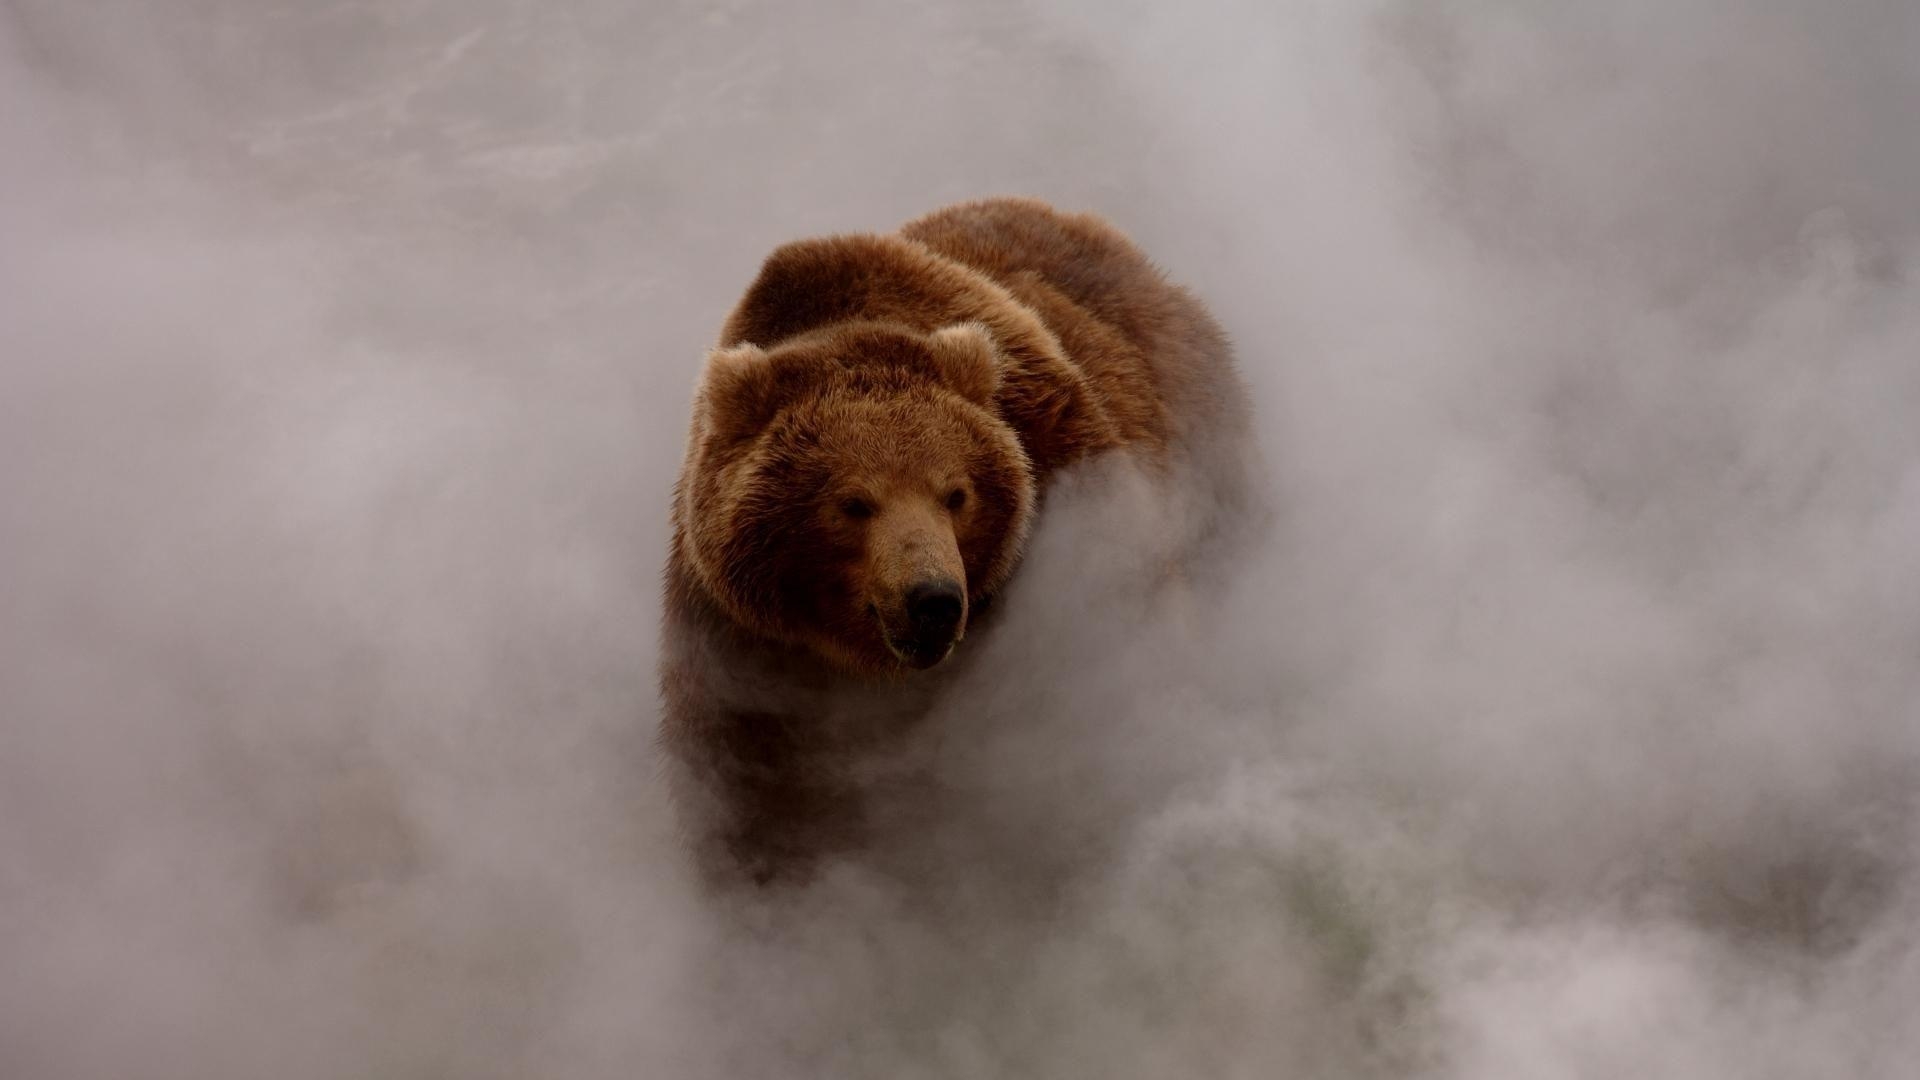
[[736, 391], [968, 360]]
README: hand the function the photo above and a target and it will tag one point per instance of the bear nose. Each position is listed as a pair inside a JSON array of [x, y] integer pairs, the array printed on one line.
[[934, 608]]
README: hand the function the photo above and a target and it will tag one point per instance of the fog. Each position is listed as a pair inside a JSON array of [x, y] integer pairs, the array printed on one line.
[[1565, 722]]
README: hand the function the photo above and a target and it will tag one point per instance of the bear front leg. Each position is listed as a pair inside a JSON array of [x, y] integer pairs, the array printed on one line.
[[764, 804]]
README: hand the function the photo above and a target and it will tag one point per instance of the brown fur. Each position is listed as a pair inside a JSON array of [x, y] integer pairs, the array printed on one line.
[[878, 422]]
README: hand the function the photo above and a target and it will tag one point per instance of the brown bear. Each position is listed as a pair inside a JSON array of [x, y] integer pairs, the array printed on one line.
[[870, 441]]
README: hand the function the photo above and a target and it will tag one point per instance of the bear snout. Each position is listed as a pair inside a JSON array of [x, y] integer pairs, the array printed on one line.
[[935, 607], [934, 610]]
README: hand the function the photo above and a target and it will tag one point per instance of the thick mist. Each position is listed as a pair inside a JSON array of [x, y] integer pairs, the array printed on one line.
[[1564, 723]]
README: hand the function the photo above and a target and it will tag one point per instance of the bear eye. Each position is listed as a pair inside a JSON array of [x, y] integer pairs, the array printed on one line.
[[856, 508], [956, 498]]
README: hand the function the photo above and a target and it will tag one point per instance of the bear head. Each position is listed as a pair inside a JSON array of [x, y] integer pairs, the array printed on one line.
[[854, 491]]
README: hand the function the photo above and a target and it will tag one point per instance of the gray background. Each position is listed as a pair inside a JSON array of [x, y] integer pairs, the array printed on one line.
[[1564, 726]]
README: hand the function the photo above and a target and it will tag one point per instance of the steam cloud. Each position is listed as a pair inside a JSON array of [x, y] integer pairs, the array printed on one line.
[[1564, 726]]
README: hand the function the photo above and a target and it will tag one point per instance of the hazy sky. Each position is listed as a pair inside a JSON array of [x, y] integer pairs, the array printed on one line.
[[1567, 723]]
